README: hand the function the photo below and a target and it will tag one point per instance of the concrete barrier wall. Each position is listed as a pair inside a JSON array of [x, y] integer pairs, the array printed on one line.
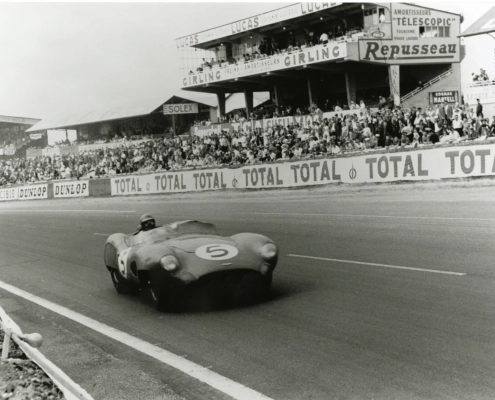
[[99, 187], [462, 160]]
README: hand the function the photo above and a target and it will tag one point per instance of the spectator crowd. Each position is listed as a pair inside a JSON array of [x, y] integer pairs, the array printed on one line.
[[361, 131]]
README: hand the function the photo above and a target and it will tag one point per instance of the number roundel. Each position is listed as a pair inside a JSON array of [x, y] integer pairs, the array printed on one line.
[[216, 252]]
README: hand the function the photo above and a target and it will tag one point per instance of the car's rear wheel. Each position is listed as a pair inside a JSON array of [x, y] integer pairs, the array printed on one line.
[[122, 285]]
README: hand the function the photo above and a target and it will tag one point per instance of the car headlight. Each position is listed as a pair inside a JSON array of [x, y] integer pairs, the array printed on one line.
[[268, 251], [169, 263]]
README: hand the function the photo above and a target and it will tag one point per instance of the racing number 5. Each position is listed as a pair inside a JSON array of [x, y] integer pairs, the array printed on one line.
[[216, 252]]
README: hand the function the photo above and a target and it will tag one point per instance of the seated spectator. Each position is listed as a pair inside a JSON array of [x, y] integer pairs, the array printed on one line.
[[483, 75], [324, 39]]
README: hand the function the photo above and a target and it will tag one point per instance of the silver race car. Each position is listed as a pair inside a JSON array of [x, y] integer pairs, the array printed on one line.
[[167, 261]]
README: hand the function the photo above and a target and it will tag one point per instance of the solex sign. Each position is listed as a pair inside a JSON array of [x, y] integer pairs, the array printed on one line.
[[172, 109], [400, 52]]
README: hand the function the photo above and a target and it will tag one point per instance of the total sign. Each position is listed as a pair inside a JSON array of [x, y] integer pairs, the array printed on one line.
[[172, 109]]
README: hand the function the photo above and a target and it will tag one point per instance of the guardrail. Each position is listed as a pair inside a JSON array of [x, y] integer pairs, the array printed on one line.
[[426, 85], [29, 344], [480, 84]]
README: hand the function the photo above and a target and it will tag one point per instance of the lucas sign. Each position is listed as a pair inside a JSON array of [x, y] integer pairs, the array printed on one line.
[[171, 109]]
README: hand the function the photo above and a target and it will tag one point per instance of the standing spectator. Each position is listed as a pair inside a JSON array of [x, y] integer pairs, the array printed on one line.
[[449, 111], [479, 109], [442, 116], [457, 125]]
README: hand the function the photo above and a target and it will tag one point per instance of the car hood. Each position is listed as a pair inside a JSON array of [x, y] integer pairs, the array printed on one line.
[[190, 243]]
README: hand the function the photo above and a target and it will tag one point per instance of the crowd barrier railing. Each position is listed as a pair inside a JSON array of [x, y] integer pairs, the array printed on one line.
[[29, 344], [425, 162], [265, 123]]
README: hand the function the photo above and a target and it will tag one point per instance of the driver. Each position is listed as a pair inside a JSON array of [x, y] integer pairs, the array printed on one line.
[[147, 223]]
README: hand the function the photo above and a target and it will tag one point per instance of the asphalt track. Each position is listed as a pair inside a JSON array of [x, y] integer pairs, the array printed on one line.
[[380, 293]]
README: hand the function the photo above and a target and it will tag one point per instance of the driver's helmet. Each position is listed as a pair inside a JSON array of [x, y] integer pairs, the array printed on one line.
[[147, 222]]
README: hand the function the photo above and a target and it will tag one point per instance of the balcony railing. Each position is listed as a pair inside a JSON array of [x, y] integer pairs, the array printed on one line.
[[426, 85]]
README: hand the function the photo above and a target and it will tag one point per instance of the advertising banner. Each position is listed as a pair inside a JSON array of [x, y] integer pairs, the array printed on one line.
[[33, 153], [450, 96], [71, 189], [271, 17], [434, 50], [413, 165], [35, 136], [19, 120], [305, 120], [171, 182], [111, 145], [50, 151], [9, 194], [33, 192], [333, 51], [9, 150], [410, 22], [173, 109]]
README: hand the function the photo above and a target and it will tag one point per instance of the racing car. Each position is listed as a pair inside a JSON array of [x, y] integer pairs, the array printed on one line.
[[165, 261]]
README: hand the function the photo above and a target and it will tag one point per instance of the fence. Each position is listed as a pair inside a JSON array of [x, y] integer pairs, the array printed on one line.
[[29, 344]]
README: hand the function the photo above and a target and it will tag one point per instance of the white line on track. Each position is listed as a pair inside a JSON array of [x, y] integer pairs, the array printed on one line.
[[57, 211], [380, 265], [203, 374], [102, 234], [372, 216]]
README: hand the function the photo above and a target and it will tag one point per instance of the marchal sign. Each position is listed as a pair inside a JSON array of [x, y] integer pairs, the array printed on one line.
[[189, 108]]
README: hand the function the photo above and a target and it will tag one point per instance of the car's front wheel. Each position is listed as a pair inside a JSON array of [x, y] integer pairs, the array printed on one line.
[[122, 285], [250, 289], [167, 298]]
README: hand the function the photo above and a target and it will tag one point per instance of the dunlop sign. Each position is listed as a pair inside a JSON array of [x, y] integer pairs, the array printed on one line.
[[71, 189], [33, 192], [172, 109]]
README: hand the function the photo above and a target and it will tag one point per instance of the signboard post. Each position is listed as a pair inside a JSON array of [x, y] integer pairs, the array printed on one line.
[[183, 108], [394, 82]]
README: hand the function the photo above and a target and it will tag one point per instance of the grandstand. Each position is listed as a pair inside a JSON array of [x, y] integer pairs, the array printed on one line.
[[13, 137], [328, 54]]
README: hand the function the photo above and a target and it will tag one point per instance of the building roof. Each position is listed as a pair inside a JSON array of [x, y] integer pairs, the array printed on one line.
[[236, 100], [484, 24], [18, 120], [136, 109]]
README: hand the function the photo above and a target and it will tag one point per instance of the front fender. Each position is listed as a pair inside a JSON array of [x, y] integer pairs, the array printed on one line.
[[115, 244], [147, 257]]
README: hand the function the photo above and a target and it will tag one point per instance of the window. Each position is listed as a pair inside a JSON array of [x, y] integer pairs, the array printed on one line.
[[434, 31]]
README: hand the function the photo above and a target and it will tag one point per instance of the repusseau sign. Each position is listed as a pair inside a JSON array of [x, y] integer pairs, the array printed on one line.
[[401, 52], [419, 35]]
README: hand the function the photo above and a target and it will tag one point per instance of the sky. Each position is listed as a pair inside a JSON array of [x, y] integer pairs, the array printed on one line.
[[66, 58]]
